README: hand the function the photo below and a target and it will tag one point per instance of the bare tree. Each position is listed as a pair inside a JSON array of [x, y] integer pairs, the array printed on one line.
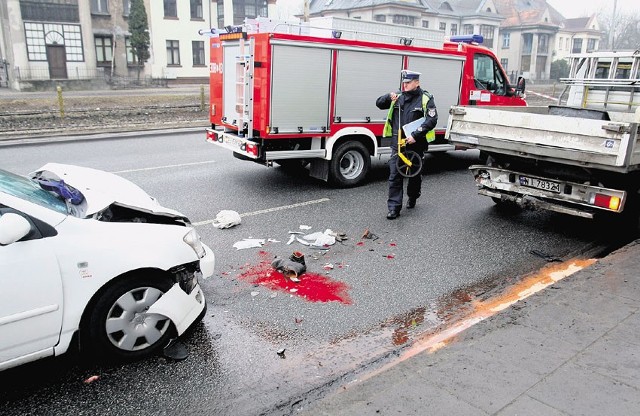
[[623, 34]]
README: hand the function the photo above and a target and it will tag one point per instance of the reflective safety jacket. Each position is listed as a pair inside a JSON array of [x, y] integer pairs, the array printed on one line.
[[388, 129]]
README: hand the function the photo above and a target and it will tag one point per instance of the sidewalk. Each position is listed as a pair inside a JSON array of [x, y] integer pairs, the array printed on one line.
[[571, 349]]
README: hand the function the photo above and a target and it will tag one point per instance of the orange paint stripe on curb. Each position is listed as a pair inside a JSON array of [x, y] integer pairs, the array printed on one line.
[[482, 310]]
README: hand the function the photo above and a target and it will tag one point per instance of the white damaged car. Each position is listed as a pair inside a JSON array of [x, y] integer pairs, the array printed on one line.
[[86, 255]]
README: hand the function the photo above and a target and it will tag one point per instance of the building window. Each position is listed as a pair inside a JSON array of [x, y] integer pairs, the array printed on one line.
[[196, 9], [197, 48], [100, 6], [126, 7], [131, 58], [104, 50], [454, 29], [220, 14], [443, 26], [401, 19], [527, 39], [467, 30], [487, 33], [425, 24], [380, 18], [506, 40], [505, 64], [591, 45], [173, 52], [249, 9], [170, 9], [577, 46], [50, 11], [543, 44], [39, 35]]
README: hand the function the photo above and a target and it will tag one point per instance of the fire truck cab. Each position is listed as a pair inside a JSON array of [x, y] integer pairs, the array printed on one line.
[[308, 98]]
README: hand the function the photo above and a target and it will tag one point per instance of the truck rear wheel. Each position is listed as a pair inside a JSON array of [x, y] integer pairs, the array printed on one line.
[[350, 164]]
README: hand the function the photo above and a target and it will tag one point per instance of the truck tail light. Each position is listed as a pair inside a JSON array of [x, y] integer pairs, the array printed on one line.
[[605, 201], [252, 149]]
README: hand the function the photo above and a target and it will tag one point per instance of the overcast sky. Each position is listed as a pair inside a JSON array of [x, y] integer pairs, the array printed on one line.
[[582, 8], [568, 8]]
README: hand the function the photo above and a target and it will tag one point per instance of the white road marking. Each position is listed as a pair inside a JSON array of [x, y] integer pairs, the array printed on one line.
[[548, 97], [164, 167], [268, 210]]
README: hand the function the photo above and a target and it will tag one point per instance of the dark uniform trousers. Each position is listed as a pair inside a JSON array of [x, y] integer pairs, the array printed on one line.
[[396, 182]]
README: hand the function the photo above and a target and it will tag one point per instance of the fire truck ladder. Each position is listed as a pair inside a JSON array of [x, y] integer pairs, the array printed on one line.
[[244, 87]]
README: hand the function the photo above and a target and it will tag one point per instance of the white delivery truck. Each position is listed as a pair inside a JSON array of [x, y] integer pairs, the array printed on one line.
[[581, 158]]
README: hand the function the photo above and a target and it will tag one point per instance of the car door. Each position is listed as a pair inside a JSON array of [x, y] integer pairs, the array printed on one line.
[[30, 295]]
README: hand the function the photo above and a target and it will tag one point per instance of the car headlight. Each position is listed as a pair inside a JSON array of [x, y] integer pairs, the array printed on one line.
[[192, 238]]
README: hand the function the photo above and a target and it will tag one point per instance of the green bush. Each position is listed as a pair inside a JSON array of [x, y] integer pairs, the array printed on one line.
[[559, 69]]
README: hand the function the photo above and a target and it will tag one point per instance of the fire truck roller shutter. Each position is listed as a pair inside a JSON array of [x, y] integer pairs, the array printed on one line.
[[442, 77], [229, 93], [299, 88], [361, 78]]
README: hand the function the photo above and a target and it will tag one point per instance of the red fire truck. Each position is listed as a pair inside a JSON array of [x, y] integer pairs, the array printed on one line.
[[307, 99]]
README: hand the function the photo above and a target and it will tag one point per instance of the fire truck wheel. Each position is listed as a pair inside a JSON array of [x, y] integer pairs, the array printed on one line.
[[350, 164]]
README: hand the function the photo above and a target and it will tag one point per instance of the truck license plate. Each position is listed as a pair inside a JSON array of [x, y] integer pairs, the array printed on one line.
[[234, 141], [540, 184]]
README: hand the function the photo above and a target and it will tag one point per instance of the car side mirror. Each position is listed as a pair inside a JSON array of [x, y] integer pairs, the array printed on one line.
[[13, 227], [520, 86]]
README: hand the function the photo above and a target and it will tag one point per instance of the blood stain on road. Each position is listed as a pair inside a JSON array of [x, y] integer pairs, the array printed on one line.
[[312, 287]]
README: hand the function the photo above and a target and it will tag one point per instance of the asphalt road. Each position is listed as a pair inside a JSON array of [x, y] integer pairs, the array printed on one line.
[[453, 247]]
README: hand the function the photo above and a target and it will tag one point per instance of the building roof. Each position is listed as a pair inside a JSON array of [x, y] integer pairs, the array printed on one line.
[[528, 13], [459, 8], [319, 6]]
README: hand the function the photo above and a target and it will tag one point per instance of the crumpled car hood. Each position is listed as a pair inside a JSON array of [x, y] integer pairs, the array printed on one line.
[[102, 189]]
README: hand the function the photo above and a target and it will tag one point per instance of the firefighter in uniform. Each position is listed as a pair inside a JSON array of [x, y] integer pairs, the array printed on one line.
[[411, 104]]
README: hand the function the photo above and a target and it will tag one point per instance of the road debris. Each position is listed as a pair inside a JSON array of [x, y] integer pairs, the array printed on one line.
[[305, 227], [249, 243], [91, 379], [226, 219], [367, 234], [318, 239], [291, 268], [547, 257], [328, 266], [280, 352], [175, 350]]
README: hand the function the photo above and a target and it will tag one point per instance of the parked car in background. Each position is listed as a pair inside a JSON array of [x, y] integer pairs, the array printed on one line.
[[86, 255]]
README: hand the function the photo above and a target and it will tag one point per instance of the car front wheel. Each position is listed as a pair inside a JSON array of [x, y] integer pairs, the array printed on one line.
[[119, 325]]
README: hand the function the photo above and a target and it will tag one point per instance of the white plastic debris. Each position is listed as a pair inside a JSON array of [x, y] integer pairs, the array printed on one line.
[[305, 227], [226, 219], [291, 239], [249, 243], [273, 240], [300, 240], [319, 239]]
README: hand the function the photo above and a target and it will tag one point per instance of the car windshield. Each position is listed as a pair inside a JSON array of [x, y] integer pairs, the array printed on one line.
[[26, 189]]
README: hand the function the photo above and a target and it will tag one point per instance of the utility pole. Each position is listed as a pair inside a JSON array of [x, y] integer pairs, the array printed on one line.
[[612, 37]]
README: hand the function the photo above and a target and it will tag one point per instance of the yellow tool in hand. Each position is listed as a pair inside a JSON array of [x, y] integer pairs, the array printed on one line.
[[409, 163]]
